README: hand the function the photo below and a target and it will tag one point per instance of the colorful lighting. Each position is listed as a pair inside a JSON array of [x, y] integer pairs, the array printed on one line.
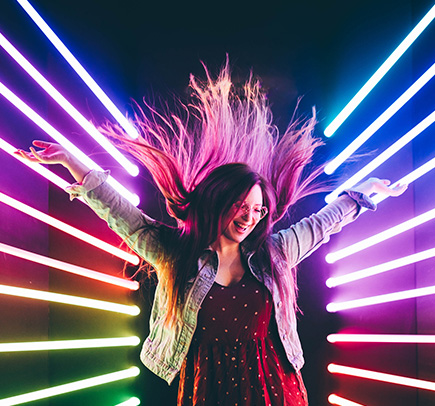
[[382, 236], [68, 299], [337, 400], [64, 266], [378, 376], [70, 387], [380, 159], [380, 121], [382, 338], [60, 225], [387, 298], [58, 137], [380, 73], [130, 402], [78, 68], [70, 344], [68, 107]]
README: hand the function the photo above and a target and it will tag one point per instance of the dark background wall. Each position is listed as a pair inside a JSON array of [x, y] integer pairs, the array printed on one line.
[[323, 51]]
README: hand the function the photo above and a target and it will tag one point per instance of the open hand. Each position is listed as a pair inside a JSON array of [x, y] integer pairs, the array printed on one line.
[[50, 154], [375, 185]]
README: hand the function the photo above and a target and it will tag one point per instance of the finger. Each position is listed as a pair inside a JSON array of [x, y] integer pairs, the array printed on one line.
[[41, 144], [36, 154]]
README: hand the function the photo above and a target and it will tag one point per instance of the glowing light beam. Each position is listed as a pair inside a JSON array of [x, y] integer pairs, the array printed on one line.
[[380, 73], [382, 338], [68, 299], [338, 400], [78, 68], [380, 121], [382, 377], [130, 402], [70, 387]]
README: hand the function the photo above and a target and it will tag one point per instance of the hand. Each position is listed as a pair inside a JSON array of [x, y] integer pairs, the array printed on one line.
[[50, 154], [375, 185]]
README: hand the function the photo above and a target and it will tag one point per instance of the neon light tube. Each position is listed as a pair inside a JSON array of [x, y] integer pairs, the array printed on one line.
[[68, 107], [130, 402], [78, 68], [60, 225], [387, 298], [70, 387], [68, 299], [378, 376], [64, 266], [380, 121], [58, 137], [382, 236], [380, 73], [379, 160], [382, 338], [337, 400], [70, 344]]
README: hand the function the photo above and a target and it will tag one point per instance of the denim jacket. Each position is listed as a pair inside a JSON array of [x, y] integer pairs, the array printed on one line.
[[165, 349]]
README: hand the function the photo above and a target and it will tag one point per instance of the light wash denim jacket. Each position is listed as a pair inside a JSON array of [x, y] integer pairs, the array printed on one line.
[[164, 350]]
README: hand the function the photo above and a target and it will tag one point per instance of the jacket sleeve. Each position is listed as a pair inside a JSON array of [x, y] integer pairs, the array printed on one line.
[[304, 237]]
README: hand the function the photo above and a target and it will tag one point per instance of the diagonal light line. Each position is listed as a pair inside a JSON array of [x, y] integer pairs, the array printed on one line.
[[380, 121], [60, 225], [70, 300], [380, 73], [339, 401], [380, 159], [382, 377], [75, 64], [64, 266], [58, 137], [70, 344], [134, 401], [68, 107], [70, 387], [382, 338]]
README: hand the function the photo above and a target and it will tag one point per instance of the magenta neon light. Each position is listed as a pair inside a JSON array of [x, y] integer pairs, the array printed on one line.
[[382, 338], [382, 377], [338, 400], [78, 68]]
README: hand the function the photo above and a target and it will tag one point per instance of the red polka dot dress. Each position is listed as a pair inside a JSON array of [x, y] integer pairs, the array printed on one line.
[[236, 357]]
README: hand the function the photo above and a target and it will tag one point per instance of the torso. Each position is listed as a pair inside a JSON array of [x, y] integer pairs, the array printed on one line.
[[230, 271]]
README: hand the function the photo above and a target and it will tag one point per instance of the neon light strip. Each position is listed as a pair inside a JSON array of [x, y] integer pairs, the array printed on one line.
[[377, 269], [64, 266], [382, 236], [380, 121], [379, 160], [68, 107], [68, 299], [70, 344], [58, 137], [337, 400], [387, 298], [380, 73], [378, 376], [381, 338], [130, 402], [75, 64], [60, 225], [70, 387]]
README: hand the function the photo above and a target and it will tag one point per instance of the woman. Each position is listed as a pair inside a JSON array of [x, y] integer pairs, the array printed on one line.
[[224, 313]]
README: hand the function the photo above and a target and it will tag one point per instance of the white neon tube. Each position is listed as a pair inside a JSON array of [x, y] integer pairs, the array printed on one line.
[[70, 387], [382, 236], [64, 266], [70, 344], [380, 73], [68, 107], [382, 338], [338, 400], [78, 68], [58, 137], [60, 225], [387, 298], [68, 299], [130, 402], [380, 159], [377, 269], [380, 121], [378, 376]]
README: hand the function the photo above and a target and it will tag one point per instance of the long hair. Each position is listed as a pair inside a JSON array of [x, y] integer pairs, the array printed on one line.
[[208, 155]]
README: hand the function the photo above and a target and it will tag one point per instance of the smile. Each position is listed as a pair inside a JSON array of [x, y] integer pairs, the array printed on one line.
[[241, 227]]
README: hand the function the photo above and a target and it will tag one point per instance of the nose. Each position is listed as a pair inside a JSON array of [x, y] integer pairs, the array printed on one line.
[[247, 214]]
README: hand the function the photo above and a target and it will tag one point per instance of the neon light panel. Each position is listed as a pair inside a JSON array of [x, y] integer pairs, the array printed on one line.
[[78, 68], [380, 121], [70, 387], [380, 73], [64, 266], [130, 402], [378, 376], [337, 400], [382, 338], [68, 299], [60, 225], [68, 107]]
